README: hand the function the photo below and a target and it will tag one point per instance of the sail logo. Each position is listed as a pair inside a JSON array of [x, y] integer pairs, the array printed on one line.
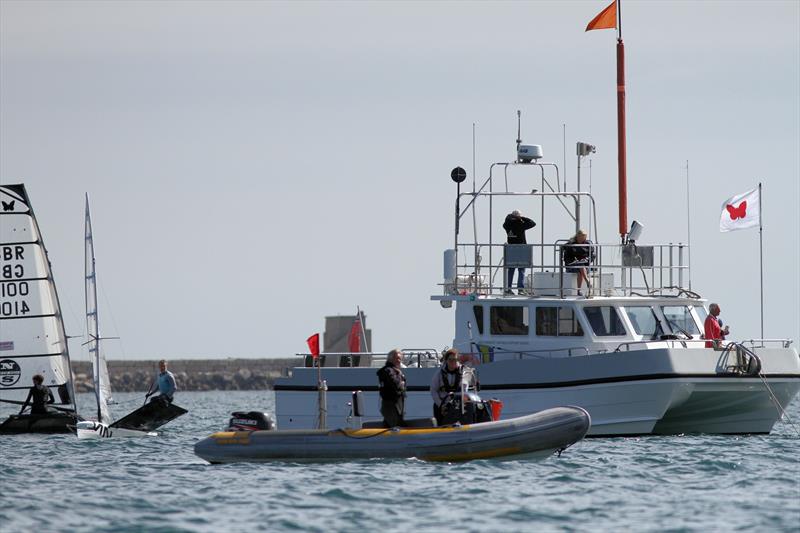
[[10, 372]]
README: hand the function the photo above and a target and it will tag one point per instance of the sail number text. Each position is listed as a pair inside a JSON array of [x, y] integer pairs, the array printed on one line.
[[13, 289]]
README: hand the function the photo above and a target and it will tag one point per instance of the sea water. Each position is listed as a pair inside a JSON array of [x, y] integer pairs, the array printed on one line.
[[679, 483]]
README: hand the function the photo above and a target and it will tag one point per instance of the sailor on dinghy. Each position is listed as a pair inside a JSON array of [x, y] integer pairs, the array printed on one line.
[[38, 397], [164, 384]]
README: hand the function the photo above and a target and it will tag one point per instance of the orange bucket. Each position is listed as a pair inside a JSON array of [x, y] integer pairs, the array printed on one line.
[[497, 407]]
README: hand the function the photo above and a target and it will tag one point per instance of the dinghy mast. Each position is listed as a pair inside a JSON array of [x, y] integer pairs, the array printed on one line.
[[102, 384]]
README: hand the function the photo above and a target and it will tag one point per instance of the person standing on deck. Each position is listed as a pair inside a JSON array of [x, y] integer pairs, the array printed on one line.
[[713, 332], [516, 225], [164, 384], [392, 389]]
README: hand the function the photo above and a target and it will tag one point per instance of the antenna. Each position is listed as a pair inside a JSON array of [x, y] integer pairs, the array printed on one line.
[[689, 225], [519, 131]]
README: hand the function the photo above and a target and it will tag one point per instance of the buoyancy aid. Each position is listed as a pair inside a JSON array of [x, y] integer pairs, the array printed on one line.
[[446, 385]]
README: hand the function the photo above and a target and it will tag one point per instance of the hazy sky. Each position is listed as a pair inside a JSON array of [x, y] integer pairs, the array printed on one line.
[[256, 166]]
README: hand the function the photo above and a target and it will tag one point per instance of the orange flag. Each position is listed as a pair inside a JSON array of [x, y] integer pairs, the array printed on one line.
[[606, 19]]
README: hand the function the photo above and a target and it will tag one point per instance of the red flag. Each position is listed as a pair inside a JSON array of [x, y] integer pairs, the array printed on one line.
[[313, 345], [605, 20], [354, 340]]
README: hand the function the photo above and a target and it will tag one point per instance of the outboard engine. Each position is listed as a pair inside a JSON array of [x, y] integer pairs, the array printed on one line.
[[251, 421]]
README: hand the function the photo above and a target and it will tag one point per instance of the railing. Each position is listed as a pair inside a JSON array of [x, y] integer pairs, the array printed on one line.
[[624, 270], [412, 357]]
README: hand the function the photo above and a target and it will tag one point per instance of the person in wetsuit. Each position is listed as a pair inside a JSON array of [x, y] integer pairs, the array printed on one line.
[[445, 382], [38, 397], [392, 387], [164, 384]]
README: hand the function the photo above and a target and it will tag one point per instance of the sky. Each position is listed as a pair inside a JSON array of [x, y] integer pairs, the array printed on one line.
[[256, 166]]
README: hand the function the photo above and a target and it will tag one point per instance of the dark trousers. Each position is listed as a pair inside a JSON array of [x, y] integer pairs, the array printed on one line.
[[392, 412], [520, 277]]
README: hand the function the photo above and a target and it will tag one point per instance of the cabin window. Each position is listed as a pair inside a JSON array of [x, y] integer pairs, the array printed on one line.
[[557, 322], [605, 321], [509, 320], [680, 319], [478, 311], [645, 322], [702, 314]]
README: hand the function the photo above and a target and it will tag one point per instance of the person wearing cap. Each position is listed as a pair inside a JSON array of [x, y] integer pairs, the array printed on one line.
[[578, 254], [392, 388], [516, 225], [445, 382]]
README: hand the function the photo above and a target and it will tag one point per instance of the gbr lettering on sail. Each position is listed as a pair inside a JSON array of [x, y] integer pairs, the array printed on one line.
[[14, 288]]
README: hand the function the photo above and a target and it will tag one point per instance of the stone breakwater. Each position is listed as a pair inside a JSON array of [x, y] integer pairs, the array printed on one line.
[[191, 374]]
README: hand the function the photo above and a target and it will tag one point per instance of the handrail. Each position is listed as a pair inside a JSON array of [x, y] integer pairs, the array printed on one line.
[[658, 277]]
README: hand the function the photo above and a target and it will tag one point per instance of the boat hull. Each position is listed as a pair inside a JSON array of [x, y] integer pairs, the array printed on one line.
[[641, 392], [50, 423], [532, 436], [90, 429]]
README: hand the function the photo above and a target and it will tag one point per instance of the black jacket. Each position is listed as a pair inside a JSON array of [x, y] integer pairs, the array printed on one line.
[[578, 254], [515, 227], [392, 383]]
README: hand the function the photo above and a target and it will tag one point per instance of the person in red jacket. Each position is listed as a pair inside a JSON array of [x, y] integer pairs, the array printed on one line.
[[713, 332]]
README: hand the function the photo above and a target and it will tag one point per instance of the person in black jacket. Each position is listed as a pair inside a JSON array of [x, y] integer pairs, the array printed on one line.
[[578, 254], [516, 225], [392, 387], [38, 396]]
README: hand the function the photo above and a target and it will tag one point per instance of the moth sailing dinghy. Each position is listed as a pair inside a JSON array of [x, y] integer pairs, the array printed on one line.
[[32, 336], [139, 423]]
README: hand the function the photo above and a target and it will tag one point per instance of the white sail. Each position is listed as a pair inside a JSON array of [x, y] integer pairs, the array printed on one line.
[[102, 384], [32, 336]]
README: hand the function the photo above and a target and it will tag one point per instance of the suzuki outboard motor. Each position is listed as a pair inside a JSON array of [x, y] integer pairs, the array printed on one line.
[[250, 421]]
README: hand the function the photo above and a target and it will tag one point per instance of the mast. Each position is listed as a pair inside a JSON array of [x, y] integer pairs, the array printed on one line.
[[621, 153], [102, 385]]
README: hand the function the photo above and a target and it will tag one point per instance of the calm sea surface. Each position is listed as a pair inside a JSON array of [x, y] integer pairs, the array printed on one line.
[[683, 483]]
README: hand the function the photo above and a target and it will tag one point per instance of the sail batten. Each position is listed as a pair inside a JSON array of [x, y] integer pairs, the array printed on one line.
[[102, 383]]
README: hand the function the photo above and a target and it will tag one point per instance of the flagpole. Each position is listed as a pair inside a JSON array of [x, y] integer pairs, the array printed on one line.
[[360, 318], [761, 254], [621, 157]]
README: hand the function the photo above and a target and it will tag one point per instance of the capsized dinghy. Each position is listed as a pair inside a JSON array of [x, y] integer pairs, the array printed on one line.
[[533, 436]]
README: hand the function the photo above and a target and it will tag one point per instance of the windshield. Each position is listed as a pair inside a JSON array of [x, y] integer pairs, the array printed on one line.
[[644, 322], [680, 318]]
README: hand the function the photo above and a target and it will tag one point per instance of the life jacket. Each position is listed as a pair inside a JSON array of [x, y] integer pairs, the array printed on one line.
[[456, 385]]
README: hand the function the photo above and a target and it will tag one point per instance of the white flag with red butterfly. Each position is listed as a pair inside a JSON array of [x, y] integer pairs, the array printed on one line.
[[741, 211]]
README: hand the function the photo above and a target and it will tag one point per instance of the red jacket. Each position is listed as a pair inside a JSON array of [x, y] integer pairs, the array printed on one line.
[[712, 330]]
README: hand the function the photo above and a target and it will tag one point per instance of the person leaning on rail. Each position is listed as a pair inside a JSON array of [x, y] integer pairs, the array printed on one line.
[[578, 255]]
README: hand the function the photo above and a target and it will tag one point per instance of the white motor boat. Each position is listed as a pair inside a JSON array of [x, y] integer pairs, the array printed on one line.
[[629, 348]]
